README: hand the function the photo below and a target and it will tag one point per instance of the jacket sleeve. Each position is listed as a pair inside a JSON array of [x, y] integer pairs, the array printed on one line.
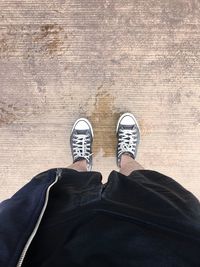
[[18, 216]]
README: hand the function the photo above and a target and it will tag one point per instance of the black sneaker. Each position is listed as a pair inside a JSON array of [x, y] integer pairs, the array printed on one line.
[[128, 134], [81, 141]]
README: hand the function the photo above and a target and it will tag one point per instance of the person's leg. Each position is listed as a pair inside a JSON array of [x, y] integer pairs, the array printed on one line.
[[80, 166], [81, 145], [128, 135], [128, 165]]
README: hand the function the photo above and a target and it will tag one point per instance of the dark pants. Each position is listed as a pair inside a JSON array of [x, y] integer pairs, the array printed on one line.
[[144, 219]]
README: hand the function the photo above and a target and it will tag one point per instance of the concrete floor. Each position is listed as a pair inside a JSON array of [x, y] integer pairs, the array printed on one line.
[[63, 59]]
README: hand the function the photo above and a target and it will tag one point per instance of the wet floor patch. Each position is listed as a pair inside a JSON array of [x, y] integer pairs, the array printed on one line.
[[104, 119]]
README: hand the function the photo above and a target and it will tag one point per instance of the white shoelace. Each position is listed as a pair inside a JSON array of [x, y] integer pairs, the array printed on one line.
[[127, 141], [81, 146]]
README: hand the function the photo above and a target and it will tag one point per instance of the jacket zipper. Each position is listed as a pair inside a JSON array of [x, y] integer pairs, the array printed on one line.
[[27, 245]]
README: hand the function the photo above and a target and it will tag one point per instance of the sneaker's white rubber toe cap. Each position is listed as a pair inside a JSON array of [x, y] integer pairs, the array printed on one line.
[[82, 125], [127, 120]]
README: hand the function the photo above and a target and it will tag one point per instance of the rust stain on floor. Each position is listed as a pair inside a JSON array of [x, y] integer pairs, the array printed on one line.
[[49, 38], [145, 127], [7, 113], [3, 45]]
